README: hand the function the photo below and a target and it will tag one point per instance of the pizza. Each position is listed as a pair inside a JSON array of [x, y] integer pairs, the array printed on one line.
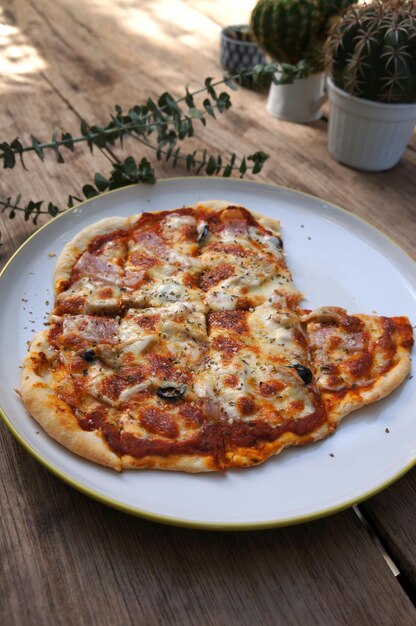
[[177, 341]]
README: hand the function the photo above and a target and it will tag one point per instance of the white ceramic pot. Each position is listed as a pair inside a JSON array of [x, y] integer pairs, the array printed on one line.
[[365, 134], [298, 102]]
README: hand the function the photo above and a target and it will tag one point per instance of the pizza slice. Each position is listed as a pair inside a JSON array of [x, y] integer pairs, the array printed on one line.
[[90, 269], [56, 386], [166, 424], [259, 373], [357, 359], [146, 260], [120, 392], [162, 265], [242, 261]]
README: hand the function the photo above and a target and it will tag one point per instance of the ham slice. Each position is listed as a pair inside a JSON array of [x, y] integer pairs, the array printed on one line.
[[93, 329], [98, 269], [150, 242], [134, 277]]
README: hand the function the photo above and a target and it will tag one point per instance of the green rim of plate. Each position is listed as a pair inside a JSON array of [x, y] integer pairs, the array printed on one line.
[[174, 521]]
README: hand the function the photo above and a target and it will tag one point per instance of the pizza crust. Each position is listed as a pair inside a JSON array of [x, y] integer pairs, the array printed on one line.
[[356, 399], [248, 457], [54, 415], [181, 463]]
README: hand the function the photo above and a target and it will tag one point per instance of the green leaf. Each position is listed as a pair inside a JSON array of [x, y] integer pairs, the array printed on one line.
[[17, 147], [89, 191], [52, 210], [190, 162], [71, 199], [210, 89], [258, 158], [208, 107], [84, 128], [211, 166], [227, 171], [36, 145], [6, 204], [175, 157], [85, 132], [193, 112], [219, 164], [230, 83], [130, 166], [146, 172], [9, 159], [169, 153], [101, 182], [151, 105], [223, 101], [166, 100], [189, 99], [243, 167]]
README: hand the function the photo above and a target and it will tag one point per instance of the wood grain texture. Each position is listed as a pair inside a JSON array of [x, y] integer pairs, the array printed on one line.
[[67, 559], [392, 514]]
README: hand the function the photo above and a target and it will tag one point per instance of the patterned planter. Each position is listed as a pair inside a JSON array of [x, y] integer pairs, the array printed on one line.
[[239, 51]]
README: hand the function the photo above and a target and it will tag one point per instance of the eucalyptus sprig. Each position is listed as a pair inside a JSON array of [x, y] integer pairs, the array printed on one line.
[[169, 121]]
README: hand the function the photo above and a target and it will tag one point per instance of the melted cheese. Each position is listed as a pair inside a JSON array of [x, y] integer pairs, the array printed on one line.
[[270, 242], [177, 330], [126, 394], [97, 373], [265, 353]]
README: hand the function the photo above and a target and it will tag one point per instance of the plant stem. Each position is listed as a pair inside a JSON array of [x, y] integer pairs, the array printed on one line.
[[133, 126]]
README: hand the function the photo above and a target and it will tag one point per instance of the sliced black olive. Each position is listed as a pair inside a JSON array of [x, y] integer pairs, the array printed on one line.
[[278, 242], [89, 355], [203, 234], [171, 393], [304, 372]]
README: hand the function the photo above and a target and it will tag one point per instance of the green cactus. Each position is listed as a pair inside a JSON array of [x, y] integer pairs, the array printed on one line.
[[371, 51], [294, 30]]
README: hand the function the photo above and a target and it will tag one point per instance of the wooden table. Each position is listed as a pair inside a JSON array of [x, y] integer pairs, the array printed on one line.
[[66, 559]]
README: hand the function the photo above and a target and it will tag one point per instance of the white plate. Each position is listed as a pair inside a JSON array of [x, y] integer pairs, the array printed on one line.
[[336, 259]]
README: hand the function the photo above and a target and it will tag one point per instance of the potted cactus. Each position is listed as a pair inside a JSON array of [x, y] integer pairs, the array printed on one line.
[[293, 31], [372, 84]]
